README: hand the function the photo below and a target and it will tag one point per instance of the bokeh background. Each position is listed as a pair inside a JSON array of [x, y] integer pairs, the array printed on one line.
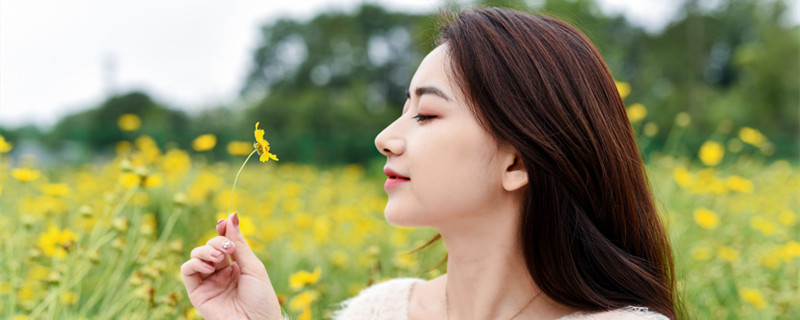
[[123, 126]]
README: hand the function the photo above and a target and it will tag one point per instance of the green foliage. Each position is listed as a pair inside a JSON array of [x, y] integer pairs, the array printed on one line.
[[729, 64], [331, 84], [96, 129], [323, 88]]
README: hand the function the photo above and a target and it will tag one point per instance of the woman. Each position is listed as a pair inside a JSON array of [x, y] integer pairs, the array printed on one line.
[[515, 145]]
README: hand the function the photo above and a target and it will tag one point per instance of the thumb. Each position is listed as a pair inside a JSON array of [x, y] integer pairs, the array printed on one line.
[[243, 255]]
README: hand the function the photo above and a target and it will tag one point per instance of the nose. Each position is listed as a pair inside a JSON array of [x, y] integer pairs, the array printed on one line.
[[389, 142]]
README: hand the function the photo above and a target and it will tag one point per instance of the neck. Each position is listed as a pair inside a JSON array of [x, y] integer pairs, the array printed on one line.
[[486, 273]]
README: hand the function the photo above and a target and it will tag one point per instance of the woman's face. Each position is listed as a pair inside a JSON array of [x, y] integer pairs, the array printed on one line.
[[441, 164]]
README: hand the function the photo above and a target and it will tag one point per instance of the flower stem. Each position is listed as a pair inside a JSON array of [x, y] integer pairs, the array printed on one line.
[[237, 179]]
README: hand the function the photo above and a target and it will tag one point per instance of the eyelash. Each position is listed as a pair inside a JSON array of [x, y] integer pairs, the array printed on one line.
[[421, 118]]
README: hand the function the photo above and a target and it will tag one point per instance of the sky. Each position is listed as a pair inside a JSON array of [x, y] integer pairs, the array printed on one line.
[[61, 57]]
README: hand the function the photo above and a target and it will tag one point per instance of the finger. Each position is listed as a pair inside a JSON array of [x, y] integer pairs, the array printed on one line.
[[221, 227], [193, 271], [247, 260], [225, 246], [208, 254]]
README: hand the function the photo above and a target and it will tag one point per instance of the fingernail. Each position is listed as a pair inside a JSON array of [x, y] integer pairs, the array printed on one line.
[[227, 244], [216, 253], [220, 221], [235, 219]]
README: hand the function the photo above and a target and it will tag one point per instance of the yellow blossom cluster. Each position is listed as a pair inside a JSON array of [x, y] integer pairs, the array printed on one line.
[[129, 122], [106, 240], [734, 227], [5, 146]]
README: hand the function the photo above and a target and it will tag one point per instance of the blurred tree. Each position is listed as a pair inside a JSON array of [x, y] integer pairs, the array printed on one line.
[[97, 129], [323, 88], [734, 61], [328, 86]]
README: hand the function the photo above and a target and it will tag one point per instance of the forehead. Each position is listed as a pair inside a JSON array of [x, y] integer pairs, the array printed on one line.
[[433, 71]]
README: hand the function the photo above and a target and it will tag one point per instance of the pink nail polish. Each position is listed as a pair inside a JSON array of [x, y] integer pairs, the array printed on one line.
[[235, 219]]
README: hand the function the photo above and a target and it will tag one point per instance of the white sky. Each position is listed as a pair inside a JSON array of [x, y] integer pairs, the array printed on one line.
[[187, 54]]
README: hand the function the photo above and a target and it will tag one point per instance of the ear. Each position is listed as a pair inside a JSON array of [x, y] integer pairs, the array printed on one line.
[[515, 175]]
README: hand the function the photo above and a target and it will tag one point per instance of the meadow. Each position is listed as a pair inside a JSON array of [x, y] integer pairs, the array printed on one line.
[[106, 240]]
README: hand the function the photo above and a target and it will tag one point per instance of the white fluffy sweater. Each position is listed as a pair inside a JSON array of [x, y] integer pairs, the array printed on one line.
[[389, 301]]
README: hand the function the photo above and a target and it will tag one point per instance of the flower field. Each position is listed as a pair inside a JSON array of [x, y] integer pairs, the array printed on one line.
[[106, 240]]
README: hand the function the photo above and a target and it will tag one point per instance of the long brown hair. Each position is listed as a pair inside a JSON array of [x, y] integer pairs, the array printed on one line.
[[591, 235]]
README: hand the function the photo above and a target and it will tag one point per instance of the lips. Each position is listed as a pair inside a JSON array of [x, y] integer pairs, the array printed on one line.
[[394, 175], [394, 179]]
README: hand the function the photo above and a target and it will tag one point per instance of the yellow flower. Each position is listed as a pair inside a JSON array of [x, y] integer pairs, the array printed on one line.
[[149, 148], [306, 315], [38, 272], [239, 148], [5, 146], [25, 174], [683, 177], [262, 146], [787, 218], [765, 226], [302, 278], [55, 189], [753, 296], [130, 180], [751, 136], [247, 226], [152, 181], [624, 89], [204, 142], [175, 165], [637, 112], [701, 253], [711, 153], [302, 300], [55, 242], [192, 314], [740, 184], [728, 254], [303, 220], [790, 250], [706, 218], [405, 261], [129, 122], [68, 297]]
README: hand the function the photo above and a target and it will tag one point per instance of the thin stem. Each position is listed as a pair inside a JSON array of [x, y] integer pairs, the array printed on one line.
[[237, 179]]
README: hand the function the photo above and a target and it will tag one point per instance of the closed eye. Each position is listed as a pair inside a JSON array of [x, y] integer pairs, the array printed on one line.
[[421, 118]]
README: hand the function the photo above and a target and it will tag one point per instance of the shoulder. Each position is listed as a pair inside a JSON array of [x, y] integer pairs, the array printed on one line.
[[627, 313], [385, 300]]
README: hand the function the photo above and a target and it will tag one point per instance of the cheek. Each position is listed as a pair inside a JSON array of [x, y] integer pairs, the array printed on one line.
[[451, 175], [464, 186]]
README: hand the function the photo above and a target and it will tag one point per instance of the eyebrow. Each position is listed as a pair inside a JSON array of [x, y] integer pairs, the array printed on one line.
[[428, 90]]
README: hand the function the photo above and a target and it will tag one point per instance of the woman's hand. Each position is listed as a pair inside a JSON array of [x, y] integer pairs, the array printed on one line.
[[222, 290]]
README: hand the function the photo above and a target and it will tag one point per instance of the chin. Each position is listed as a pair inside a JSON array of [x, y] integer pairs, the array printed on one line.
[[402, 217]]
